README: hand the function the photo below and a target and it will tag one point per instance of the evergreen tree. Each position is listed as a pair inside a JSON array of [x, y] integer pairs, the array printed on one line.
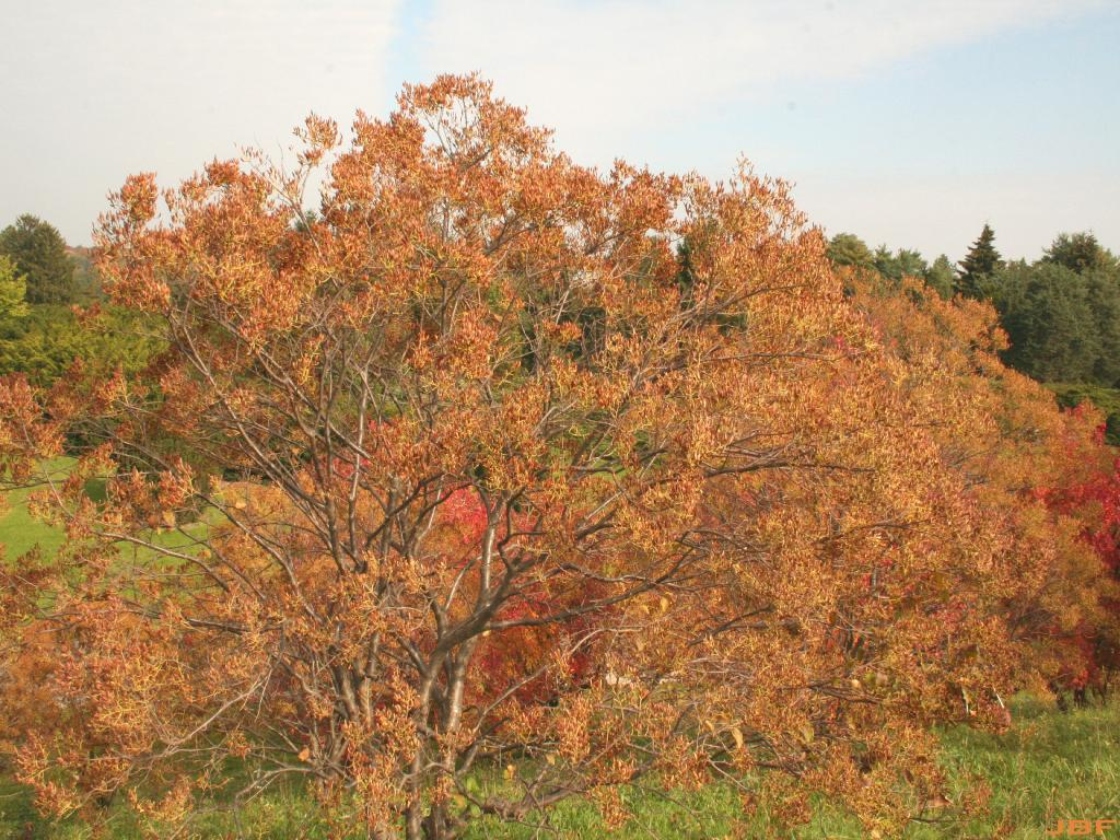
[[43, 344], [39, 254], [978, 266], [12, 291], [1079, 252], [1104, 293], [940, 276], [1051, 317], [898, 264], [849, 249]]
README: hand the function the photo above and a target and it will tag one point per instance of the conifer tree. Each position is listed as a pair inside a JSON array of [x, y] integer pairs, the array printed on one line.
[[39, 253], [12, 290], [849, 249], [979, 264], [940, 276], [1079, 252]]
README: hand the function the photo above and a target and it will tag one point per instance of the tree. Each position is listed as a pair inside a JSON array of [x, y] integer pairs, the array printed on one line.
[[978, 266], [13, 290], [940, 276], [39, 254], [87, 285], [1027, 463], [902, 263], [1106, 400], [848, 249], [533, 481], [1049, 317], [1064, 326], [1090, 493], [49, 340], [1079, 252], [1104, 296]]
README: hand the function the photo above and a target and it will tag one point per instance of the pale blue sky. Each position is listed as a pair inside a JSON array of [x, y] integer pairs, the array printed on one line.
[[908, 122]]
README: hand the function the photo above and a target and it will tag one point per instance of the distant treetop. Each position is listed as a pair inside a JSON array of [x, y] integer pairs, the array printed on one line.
[[1079, 252], [979, 264], [39, 253], [849, 249]]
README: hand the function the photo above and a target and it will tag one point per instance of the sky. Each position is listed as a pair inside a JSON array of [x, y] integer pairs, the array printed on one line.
[[910, 123]]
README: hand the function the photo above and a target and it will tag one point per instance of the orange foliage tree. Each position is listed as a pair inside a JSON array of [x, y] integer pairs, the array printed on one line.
[[1032, 467], [497, 467], [1089, 493]]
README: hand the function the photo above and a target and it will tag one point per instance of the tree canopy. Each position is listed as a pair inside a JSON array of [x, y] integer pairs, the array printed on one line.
[[1080, 253], [849, 250], [39, 254], [49, 341], [1062, 313], [846, 250]]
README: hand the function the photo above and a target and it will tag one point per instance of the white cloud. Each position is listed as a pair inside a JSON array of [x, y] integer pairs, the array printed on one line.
[[597, 71]]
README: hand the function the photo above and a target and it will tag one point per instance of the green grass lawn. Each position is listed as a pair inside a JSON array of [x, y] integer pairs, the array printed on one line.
[[19, 532], [1050, 766]]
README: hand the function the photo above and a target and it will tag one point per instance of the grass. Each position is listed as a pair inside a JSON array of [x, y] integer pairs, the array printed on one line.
[[1050, 766], [279, 815], [19, 531]]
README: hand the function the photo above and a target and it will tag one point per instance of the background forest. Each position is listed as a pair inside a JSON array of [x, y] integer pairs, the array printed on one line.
[[1061, 313], [484, 483]]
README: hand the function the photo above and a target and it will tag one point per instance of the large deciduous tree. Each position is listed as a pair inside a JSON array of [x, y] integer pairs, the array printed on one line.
[[1090, 493], [496, 480], [1024, 460]]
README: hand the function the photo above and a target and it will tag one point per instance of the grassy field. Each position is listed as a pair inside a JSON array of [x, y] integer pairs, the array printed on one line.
[[1050, 766], [19, 532]]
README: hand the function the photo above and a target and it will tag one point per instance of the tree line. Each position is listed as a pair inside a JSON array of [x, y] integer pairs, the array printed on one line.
[[1061, 313], [41, 334]]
